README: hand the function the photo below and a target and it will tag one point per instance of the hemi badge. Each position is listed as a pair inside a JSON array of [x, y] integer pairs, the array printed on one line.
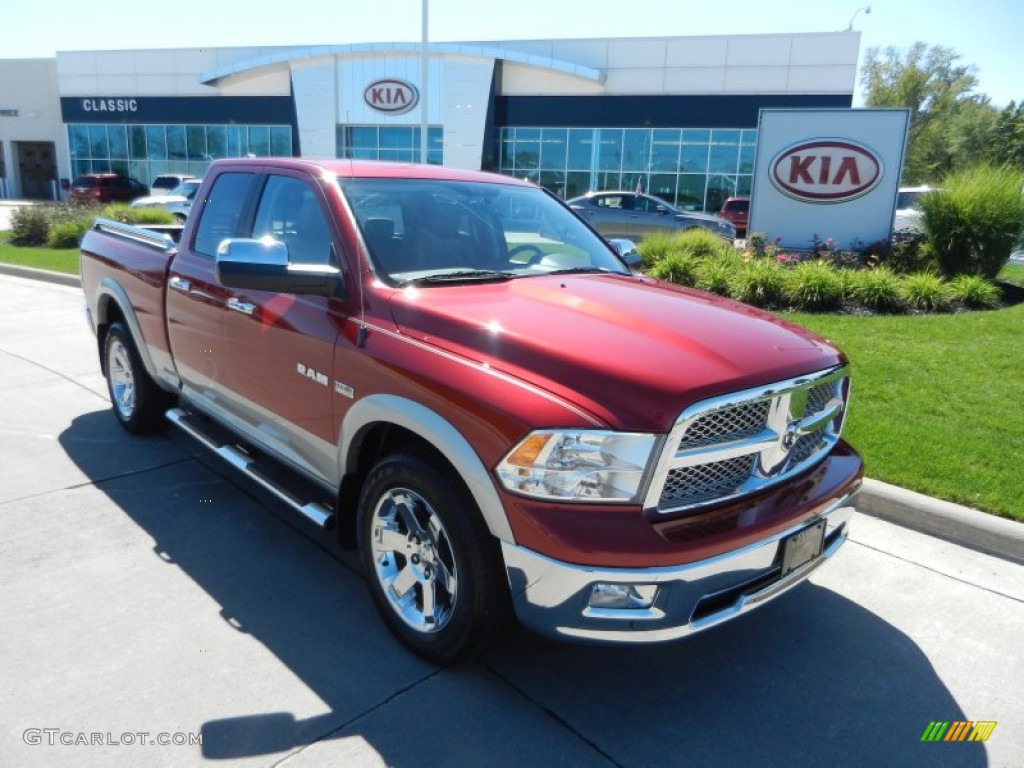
[[344, 389]]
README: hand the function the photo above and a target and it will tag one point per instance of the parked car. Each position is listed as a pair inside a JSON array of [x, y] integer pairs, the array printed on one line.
[[634, 216], [908, 209], [178, 201], [106, 188], [447, 388], [164, 183], [736, 210]]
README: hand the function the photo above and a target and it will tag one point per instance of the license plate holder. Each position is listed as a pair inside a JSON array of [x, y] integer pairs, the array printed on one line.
[[802, 547]]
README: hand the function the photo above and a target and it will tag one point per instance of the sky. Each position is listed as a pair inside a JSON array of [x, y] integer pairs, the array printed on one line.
[[986, 33]]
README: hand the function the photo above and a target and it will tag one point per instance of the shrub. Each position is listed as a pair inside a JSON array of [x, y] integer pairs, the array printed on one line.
[[655, 247], [716, 274], [761, 282], [125, 213], [29, 225], [975, 292], [814, 286], [67, 234], [678, 268], [926, 292], [877, 289], [908, 251], [974, 221], [701, 243]]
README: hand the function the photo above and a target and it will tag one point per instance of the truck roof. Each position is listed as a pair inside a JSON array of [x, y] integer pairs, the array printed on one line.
[[372, 169]]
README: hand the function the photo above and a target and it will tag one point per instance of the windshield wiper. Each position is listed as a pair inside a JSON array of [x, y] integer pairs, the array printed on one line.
[[463, 275], [583, 271]]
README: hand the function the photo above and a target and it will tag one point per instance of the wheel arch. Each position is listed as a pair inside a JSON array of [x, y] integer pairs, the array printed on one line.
[[377, 423], [113, 304]]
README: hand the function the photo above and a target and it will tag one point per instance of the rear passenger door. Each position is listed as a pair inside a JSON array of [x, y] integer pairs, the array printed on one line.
[[278, 381]]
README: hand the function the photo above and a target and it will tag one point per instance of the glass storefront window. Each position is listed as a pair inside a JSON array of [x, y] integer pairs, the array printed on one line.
[[144, 152], [117, 138], [609, 150], [280, 141], [581, 149], [553, 148], [98, 147], [636, 150], [746, 164], [78, 139], [217, 141], [136, 141], [665, 151], [156, 142], [196, 137], [259, 140], [176, 142]]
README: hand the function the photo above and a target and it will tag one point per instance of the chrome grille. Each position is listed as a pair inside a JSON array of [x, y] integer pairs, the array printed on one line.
[[742, 421], [692, 485], [731, 446]]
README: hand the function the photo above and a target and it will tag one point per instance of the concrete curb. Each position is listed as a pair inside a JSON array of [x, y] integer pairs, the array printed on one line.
[[980, 531], [60, 278]]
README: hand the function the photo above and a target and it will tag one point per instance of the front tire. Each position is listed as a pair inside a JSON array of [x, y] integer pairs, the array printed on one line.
[[139, 404], [433, 569]]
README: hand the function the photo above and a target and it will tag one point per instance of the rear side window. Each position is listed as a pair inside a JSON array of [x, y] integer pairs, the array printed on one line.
[[222, 213], [84, 181]]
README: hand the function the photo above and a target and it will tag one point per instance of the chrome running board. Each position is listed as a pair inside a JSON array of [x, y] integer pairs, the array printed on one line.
[[316, 513]]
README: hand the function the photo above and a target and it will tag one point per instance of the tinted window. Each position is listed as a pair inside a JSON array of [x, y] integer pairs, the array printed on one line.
[[422, 229], [289, 211], [222, 213], [84, 181]]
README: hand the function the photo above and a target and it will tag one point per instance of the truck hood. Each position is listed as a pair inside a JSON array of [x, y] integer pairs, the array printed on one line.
[[632, 351]]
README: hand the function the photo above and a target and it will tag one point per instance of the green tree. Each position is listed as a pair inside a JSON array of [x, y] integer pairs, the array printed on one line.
[[951, 127], [1007, 146]]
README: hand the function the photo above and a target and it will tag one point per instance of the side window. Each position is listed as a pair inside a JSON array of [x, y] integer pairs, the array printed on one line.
[[609, 201], [223, 212], [289, 211], [647, 204]]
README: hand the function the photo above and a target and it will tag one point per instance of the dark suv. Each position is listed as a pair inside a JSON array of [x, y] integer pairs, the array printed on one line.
[[736, 210], [106, 187]]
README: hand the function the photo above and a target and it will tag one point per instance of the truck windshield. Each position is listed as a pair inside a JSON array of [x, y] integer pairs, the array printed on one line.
[[425, 229]]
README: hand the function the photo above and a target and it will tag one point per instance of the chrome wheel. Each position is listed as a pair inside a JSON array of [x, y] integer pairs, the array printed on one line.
[[413, 560], [122, 379]]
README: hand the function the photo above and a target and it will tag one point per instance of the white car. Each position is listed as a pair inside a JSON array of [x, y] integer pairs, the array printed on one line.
[[178, 201], [908, 209], [164, 183]]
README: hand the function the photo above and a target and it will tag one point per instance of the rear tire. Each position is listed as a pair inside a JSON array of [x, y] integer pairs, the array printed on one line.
[[433, 568], [139, 404]]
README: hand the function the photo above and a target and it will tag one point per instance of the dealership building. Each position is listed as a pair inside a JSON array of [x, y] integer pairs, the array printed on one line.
[[677, 116]]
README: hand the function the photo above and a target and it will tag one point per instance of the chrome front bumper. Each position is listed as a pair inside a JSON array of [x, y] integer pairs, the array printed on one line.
[[553, 598]]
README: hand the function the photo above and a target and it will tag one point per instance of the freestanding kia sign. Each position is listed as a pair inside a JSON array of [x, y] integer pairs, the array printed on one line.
[[830, 173]]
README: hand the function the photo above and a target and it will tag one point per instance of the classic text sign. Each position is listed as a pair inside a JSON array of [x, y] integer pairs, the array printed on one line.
[[393, 97]]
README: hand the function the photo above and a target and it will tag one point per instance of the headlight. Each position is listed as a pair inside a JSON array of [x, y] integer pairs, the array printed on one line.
[[577, 465]]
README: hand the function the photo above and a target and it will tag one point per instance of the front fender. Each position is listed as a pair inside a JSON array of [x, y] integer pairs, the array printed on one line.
[[417, 418]]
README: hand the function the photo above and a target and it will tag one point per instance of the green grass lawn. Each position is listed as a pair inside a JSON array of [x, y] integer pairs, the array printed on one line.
[[56, 259], [937, 402]]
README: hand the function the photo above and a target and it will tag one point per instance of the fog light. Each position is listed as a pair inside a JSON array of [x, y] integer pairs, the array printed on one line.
[[623, 595]]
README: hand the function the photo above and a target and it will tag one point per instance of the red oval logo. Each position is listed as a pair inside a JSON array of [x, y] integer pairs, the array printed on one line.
[[391, 96], [826, 170]]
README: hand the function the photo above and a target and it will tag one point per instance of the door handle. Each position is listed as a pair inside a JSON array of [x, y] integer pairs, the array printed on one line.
[[179, 284], [244, 307]]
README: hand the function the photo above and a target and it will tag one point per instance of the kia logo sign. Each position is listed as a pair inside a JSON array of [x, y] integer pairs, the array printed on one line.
[[394, 97], [826, 170]]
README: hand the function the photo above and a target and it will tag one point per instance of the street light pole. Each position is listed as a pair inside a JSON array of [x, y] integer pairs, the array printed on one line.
[[424, 76], [849, 27]]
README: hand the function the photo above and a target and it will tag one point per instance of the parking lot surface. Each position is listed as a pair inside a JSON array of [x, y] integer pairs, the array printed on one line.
[[144, 589]]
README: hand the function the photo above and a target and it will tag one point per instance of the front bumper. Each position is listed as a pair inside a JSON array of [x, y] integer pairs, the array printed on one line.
[[553, 597]]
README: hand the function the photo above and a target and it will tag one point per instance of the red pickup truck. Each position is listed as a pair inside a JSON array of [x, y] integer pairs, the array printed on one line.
[[466, 381]]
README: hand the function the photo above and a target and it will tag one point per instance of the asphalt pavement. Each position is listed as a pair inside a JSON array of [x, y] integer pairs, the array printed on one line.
[[145, 589]]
